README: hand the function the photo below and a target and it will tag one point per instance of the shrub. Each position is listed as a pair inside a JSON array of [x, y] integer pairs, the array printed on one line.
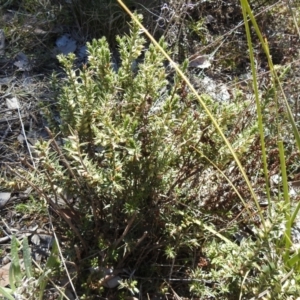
[[121, 167]]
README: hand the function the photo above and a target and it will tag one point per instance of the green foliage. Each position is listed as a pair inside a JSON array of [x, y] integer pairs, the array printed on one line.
[[6, 292], [127, 136], [124, 159], [248, 269], [134, 156], [52, 263], [31, 207], [15, 275], [129, 285], [286, 241], [22, 281], [27, 258]]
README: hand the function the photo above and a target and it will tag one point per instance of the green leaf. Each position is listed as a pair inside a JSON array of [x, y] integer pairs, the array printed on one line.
[[295, 259], [27, 258], [42, 282], [11, 278], [15, 275], [6, 293], [52, 262]]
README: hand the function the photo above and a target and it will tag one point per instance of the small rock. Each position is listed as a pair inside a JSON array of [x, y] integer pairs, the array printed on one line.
[[4, 197], [22, 62]]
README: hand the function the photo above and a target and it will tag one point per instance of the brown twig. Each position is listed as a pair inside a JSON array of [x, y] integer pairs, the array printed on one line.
[[134, 247], [118, 241], [53, 205], [61, 155]]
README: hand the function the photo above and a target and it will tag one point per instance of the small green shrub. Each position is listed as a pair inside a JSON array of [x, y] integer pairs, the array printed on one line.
[[127, 152], [122, 160]]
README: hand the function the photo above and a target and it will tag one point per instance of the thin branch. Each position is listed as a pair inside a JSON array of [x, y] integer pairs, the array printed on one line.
[[118, 241], [61, 155], [54, 206], [25, 137], [134, 247]]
